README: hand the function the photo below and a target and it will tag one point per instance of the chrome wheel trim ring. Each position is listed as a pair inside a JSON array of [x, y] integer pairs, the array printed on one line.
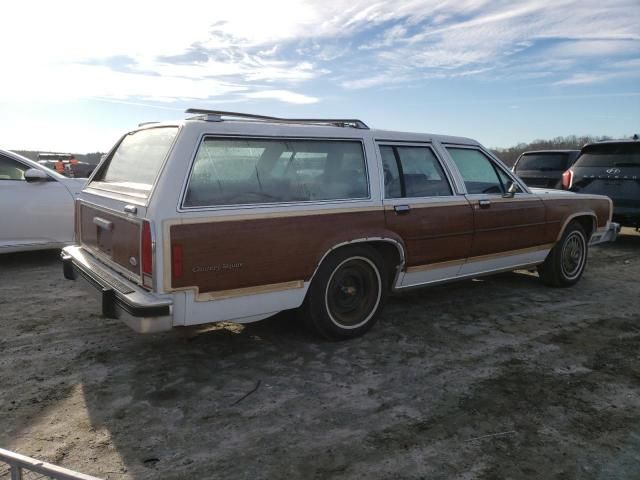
[[375, 306], [574, 255]]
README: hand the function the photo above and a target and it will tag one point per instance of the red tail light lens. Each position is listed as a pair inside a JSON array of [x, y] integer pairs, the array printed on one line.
[[146, 255], [176, 261], [567, 179]]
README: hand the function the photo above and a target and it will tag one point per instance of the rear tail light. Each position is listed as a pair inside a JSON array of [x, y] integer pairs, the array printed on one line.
[[176, 261], [146, 255], [567, 179]]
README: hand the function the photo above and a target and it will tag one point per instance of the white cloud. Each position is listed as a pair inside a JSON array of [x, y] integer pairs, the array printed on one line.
[[202, 50], [282, 95]]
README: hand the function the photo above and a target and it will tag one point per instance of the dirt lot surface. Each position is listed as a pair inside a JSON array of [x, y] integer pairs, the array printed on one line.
[[499, 378]]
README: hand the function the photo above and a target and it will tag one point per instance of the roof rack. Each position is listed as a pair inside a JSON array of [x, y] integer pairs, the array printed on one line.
[[216, 115]]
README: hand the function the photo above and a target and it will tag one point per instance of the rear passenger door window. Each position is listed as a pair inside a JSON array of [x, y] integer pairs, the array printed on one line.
[[254, 171], [411, 171]]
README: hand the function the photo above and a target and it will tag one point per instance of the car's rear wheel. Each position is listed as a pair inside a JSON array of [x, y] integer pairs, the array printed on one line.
[[566, 262], [346, 294]]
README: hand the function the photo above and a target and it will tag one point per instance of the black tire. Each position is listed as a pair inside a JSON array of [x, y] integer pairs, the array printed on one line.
[[567, 260], [346, 294]]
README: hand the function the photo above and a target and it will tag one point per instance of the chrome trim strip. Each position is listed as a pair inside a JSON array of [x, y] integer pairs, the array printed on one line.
[[467, 276]]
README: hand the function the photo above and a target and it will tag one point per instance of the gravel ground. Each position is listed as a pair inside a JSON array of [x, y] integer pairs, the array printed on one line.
[[495, 378]]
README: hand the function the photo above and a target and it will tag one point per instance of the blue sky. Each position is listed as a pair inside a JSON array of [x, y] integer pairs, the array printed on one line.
[[77, 74]]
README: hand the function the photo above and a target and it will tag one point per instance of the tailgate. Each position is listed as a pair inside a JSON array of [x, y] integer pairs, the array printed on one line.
[[111, 237], [622, 184]]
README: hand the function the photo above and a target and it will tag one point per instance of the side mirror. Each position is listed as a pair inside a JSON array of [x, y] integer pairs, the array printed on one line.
[[35, 175], [512, 190]]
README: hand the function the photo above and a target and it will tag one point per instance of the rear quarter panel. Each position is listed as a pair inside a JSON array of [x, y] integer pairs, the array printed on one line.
[[562, 208]]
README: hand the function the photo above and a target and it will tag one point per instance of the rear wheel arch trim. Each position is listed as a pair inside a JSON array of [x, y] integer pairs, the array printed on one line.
[[366, 241], [575, 216]]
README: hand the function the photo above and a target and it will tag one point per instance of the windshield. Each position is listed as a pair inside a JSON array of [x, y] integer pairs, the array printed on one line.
[[610, 155], [543, 161], [135, 164]]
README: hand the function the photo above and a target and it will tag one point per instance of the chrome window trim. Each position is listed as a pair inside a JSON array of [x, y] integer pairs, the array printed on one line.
[[429, 145], [244, 206]]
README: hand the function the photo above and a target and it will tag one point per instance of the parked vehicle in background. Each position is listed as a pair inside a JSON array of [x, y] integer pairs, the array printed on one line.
[[66, 164], [36, 205], [228, 216], [544, 168], [610, 168]]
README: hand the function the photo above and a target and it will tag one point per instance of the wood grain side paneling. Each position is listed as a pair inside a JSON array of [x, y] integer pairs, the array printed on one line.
[[228, 255], [438, 233], [118, 244], [508, 225], [559, 210]]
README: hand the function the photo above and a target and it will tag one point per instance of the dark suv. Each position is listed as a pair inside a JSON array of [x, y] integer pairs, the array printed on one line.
[[544, 168], [610, 168]]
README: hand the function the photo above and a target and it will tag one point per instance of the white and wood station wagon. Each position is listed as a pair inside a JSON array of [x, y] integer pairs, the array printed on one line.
[[234, 217]]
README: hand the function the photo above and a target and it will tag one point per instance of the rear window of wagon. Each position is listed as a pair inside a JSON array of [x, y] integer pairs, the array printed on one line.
[[134, 166]]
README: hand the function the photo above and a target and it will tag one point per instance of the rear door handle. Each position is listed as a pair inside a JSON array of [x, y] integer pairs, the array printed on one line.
[[102, 223], [484, 203], [402, 209]]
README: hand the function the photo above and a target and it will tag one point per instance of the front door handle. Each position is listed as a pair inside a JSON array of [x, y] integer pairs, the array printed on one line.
[[402, 209], [484, 203]]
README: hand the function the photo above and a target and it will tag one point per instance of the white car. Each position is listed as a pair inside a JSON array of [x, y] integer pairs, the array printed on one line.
[[36, 205]]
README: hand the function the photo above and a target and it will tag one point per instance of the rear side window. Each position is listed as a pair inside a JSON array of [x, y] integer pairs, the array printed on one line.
[[610, 155], [412, 172], [543, 162], [250, 171], [135, 164]]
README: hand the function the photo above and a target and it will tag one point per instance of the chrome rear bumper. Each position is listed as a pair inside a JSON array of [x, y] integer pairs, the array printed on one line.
[[607, 234], [120, 298]]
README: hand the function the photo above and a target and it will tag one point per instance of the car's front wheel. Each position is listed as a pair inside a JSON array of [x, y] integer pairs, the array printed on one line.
[[566, 262], [346, 294]]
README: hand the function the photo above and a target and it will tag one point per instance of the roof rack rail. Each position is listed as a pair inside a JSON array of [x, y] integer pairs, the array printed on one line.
[[216, 115]]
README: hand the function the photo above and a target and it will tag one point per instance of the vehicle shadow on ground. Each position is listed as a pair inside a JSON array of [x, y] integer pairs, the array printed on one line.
[[268, 400], [29, 259], [252, 393]]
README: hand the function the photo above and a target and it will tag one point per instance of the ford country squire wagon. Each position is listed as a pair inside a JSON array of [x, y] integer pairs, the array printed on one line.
[[234, 217]]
